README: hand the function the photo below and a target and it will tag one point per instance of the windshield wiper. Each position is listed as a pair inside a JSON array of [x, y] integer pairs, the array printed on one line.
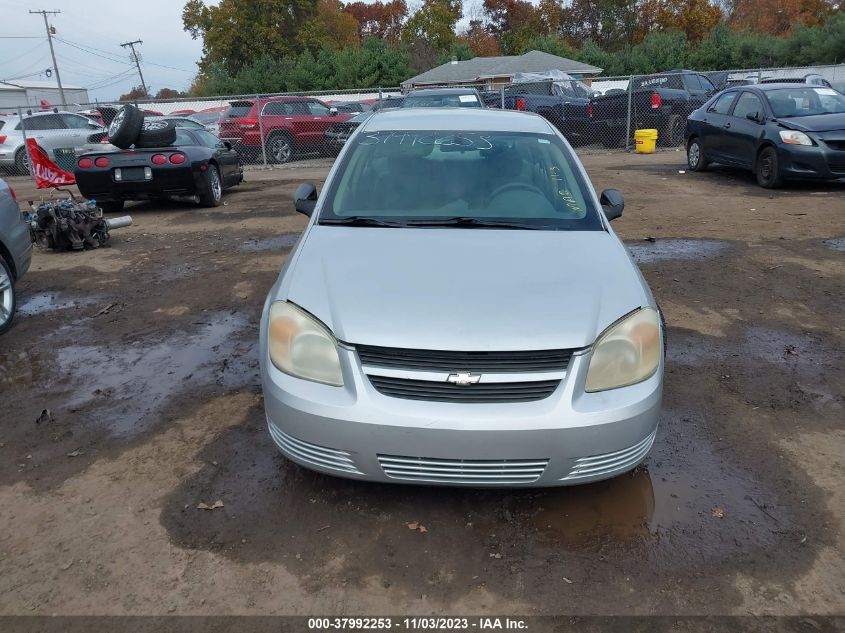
[[473, 222], [360, 220]]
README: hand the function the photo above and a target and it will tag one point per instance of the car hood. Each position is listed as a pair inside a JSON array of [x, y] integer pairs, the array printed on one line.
[[465, 289], [817, 123]]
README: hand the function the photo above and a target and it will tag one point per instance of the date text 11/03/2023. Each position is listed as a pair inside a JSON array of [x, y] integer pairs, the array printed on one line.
[[423, 623]]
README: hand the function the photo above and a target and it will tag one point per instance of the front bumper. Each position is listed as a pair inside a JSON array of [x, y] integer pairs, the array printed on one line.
[[811, 162], [354, 431]]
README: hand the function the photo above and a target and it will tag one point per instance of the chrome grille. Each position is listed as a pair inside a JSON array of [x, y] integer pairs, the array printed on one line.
[[609, 463], [473, 362], [479, 393], [312, 453], [466, 471]]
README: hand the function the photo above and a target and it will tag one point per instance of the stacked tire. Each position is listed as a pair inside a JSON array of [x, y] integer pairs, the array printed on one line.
[[129, 127]]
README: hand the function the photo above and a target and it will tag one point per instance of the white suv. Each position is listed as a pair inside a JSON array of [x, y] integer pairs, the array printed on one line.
[[53, 131]]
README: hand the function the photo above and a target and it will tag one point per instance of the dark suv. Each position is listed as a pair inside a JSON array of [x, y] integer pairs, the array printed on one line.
[[290, 126]]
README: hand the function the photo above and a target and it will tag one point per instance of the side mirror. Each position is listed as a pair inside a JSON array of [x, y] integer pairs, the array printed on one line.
[[754, 116], [612, 204], [332, 111], [227, 145], [305, 198]]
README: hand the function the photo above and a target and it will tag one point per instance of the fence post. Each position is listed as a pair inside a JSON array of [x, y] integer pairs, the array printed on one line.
[[502, 96], [25, 148], [261, 130], [628, 119]]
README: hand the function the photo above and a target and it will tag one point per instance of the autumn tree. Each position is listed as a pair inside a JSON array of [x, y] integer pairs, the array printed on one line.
[[434, 24], [778, 17], [169, 93], [480, 40], [610, 24], [331, 26], [695, 18], [379, 19], [237, 32], [136, 93]]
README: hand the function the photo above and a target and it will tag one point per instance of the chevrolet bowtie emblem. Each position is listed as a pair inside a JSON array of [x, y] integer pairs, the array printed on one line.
[[462, 379]]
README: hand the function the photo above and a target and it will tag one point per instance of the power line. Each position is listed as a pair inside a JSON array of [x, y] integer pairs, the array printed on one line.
[[91, 51], [24, 54], [44, 14], [131, 45]]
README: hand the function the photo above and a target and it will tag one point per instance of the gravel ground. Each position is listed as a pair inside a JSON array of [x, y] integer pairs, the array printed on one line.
[[145, 356]]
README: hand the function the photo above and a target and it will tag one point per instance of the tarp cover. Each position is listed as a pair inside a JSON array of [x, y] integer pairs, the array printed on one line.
[[548, 75]]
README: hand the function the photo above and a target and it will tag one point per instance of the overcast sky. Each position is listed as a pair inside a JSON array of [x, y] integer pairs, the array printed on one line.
[[99, 26], [88, 37]]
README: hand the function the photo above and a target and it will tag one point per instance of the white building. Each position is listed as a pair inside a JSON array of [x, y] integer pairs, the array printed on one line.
[[29, 94]]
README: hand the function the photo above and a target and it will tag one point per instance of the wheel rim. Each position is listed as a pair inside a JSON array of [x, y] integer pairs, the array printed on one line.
[[6, 297], [24, 160], [116, 121], [766, 167], [694, 155], [216, 189], [281, 150]]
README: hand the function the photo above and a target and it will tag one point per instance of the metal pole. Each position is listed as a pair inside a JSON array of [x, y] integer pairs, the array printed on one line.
[[53, 53], [628, 120], [502, 95], [25, 148], [261, 130], [137, 63]]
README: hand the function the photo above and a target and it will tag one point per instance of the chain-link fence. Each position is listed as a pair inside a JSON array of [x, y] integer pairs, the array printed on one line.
[[276, 129]]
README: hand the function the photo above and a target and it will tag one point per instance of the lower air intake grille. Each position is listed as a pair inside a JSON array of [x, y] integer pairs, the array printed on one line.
[[464, 471], [313, 454], [480, 393], [610, 463]]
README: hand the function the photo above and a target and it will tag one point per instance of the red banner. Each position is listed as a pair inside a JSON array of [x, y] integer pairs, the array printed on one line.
[[45, 171]]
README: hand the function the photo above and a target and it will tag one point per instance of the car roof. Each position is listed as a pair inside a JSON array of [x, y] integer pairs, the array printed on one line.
[[765, 87], [458, 120], [425, 92]]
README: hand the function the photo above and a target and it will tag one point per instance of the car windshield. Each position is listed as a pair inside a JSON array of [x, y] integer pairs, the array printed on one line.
[[460, 179], [805, 101], [442, 101]]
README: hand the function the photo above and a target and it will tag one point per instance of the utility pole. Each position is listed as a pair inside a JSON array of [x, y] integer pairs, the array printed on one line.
[[52, 52], [137, 63]]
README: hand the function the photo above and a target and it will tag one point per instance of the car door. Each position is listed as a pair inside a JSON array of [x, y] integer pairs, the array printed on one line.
[[45, 129], [320, 120], [743, 133], [226, 158], [715, 121], [698, 92]]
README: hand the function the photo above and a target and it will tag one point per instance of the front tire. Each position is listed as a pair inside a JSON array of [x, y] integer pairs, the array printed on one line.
[[8, 298], [696, 160], [212, 196], [767, 168]]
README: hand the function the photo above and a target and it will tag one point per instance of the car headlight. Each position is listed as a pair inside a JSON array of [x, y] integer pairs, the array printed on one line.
[[793, 137], [301, 346], [626, 353]]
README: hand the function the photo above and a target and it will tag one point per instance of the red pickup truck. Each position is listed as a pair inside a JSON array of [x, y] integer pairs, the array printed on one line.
[[290, 126]]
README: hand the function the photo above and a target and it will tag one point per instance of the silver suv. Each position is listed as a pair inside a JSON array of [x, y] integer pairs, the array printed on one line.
[[54, 132]]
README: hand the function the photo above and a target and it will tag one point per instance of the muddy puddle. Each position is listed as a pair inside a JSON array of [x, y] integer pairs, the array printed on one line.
[[646, 252], [43, 302], [836, 243], [688, 502], [282, 242], [126, 387]]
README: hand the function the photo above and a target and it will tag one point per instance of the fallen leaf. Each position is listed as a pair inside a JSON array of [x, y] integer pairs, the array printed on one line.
[[423, 529], [204, 506], [413, 526], [717, 512]]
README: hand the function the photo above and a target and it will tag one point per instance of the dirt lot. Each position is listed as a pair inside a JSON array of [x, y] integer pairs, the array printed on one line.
[[145, 356]]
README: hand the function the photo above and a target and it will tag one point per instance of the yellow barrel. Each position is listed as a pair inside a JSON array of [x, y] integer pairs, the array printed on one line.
[[645, 141]]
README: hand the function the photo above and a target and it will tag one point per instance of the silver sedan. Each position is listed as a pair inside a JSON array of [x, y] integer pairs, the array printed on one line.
[[15, 253], [459, 311]]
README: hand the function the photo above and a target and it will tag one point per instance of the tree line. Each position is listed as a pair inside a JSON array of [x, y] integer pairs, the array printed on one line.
[[294, 45]]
